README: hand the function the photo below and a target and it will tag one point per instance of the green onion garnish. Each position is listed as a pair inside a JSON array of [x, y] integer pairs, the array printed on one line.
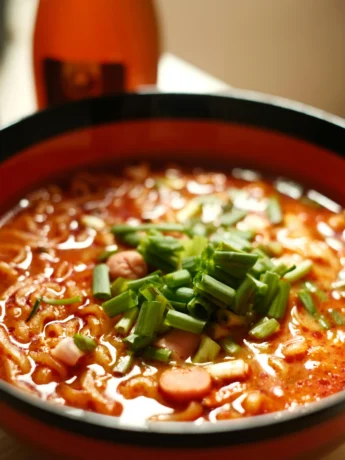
[[299, 272], [308, 302], [264, 328], [127, 321], [120, 303], [178, 278], [183, 294], [200, 308], [179, 306], [323, 322], [282, 269], [229, 319], [124, 364], [184, 322], [101, 282], [279, 304], [274, 211], [137, 342], [207, 351], [231, 218], [249, 291], [109, 251], [235, 263], [167, 227], [209, 285], [85, 343], [272, 281], [119, 285], [157, 354], [337, 317], [149, 319], [34, 309], [315, 290], [67, 301], [135, 285], [131, 239], [229, 346], [191, 263]]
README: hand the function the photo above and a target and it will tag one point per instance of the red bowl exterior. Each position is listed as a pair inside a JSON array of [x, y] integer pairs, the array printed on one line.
[[222, 133]]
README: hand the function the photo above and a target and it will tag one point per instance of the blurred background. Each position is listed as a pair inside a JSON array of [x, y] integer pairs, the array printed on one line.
[[290, 48]]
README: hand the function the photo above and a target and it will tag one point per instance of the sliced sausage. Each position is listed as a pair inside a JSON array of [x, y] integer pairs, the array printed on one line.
[[127, 264], [185, 383], [182, 344]]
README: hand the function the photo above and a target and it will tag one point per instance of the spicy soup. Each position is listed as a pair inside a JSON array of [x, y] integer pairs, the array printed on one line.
[[174, 295]]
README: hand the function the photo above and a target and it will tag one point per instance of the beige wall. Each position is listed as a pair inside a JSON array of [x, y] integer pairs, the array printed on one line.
[[293, 48]]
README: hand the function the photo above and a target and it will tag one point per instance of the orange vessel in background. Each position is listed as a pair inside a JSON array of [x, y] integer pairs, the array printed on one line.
[[84, 49]]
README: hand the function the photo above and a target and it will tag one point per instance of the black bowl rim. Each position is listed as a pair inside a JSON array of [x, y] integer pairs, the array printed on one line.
[[239, 107], [246, 108]]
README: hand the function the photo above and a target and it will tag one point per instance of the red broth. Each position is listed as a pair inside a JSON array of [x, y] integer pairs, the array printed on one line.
[[48, 248]]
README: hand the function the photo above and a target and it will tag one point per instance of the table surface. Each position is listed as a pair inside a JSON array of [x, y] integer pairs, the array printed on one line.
[[17, 101]]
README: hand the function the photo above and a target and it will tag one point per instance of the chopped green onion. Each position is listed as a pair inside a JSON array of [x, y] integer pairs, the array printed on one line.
[[135, 285], [84, 343], [272, 248], [157, 354], [180, 306], [209, 285], [120, 303], [229, 319], [274, 211], [263, 263], [109, 251], [119, 285], [192, 208], [34, 309], [101, 282], [229, 346], [264, 328], [136, 342], [127, 321], [198, 230], [248, 292], [279, 304], [299, 272], [207, 351], [150, 317], [193, 246], [183, 294], [272, 281], [150, 292], [67, 301], [166, 227], [178, 278], [184, 322], [231, 218], [191, 263], [315, 290], [282, 269], [337, 317], [131, 239], [200, 308], [167, 263], [164, 244], [323, 322], [235, 263], [307, 301], [124, 364]]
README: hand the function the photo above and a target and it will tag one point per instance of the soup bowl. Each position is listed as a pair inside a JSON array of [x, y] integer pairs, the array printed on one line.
[[240, 130]]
